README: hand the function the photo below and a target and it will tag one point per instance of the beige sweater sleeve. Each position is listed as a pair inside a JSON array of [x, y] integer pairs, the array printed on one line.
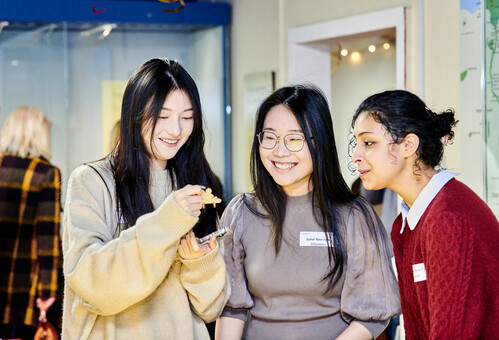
[[111, 274], [207, 284]]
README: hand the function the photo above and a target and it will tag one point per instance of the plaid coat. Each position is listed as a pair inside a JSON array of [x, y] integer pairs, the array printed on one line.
[[29, 236]]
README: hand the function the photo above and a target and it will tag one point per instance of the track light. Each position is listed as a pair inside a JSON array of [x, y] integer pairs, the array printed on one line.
[[3, 24], [104, 31], [355, 57]]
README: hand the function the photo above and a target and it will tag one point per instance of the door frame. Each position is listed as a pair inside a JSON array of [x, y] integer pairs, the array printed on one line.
[[309, 52]]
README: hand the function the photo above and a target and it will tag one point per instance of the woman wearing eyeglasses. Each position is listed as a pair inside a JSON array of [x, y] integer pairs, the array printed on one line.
[[307, 257]]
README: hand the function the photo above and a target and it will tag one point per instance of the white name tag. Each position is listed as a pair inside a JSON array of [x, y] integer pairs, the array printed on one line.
[[314, 239], [419, 272]]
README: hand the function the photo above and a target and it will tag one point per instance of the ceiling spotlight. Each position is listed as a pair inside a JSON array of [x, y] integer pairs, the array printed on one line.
[[344, 52], [355, 56], [371, 48], [386, 46]]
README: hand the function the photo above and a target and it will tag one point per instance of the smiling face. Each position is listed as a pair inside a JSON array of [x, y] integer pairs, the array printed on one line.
[[173, 128], [380, 162], [290, 170]]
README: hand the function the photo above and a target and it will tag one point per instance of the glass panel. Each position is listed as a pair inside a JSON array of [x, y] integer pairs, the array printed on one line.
[[76, 73], [32, 73]]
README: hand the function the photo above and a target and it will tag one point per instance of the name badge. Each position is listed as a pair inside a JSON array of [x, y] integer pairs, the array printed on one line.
[[419, 272], [314, 239]]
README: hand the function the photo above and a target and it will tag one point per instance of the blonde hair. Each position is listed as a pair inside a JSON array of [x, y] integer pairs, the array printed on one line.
[[26, 134]]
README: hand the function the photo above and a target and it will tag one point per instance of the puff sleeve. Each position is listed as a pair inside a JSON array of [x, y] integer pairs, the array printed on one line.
[[240, 299], [370, 294]]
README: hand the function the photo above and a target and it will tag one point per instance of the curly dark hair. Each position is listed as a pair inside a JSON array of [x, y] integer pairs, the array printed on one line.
[[401, 113]]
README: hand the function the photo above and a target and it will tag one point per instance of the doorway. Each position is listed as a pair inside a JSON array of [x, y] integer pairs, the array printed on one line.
[[315, 56]]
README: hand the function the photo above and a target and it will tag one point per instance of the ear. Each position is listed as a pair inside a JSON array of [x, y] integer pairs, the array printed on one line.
[[410, 145]]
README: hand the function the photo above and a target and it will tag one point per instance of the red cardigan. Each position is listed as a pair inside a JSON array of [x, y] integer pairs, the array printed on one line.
[[457, 239]]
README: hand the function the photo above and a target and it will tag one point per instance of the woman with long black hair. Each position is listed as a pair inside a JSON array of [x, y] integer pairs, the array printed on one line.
[[307, 257], [130, 272]]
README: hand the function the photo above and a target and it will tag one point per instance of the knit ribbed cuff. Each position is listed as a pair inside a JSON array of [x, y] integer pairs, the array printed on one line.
[[206, 263]]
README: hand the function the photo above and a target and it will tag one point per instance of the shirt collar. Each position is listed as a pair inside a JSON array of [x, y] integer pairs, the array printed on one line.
[[413, 215]]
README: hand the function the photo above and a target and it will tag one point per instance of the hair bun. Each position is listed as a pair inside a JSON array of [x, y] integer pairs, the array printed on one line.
[[445, 122]]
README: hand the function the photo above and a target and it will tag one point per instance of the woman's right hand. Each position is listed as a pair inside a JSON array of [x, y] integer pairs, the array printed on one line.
[[190, 248], [189, 198]]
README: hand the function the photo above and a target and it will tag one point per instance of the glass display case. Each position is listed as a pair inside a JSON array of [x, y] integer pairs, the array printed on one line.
[[76, 72]]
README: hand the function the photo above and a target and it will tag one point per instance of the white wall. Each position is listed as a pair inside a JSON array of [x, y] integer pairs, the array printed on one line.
[[255, 47], [442, 83]]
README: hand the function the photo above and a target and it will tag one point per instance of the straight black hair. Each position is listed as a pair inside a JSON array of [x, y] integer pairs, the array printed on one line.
[[330, 192], [143, 100]]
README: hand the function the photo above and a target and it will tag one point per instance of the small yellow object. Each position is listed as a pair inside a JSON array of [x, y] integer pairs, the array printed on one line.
[[208, 197]]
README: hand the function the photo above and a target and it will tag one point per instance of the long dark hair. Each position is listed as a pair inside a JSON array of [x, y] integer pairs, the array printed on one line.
[[144, 96], [401, 113], [330, 192]]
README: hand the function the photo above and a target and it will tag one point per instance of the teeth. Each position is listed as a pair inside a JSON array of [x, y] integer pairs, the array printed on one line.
[[284, 166], [169, 141]]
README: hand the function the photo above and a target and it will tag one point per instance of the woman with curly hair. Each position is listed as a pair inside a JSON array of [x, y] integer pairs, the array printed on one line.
[[446, 239]]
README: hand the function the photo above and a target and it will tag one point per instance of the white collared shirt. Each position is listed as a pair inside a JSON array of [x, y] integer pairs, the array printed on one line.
[[411, 216]]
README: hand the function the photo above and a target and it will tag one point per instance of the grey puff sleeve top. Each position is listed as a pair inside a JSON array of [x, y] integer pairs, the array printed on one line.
[[286, 294]]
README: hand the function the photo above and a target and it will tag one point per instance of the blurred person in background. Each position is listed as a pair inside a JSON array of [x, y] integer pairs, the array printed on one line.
[[29, 224]]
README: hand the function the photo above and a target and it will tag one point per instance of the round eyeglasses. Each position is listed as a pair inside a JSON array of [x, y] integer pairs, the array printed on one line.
[[268, 140]]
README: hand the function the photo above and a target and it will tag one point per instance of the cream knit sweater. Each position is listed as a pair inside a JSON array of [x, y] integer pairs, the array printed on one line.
[[134, 285]]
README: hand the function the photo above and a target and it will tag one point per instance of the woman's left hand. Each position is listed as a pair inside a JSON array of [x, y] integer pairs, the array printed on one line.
[[44, 304], [190, 248]]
